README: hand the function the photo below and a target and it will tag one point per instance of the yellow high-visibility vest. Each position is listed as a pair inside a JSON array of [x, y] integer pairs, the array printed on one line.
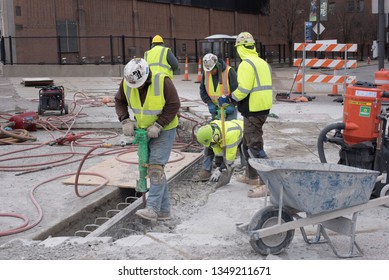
[[147, 114]]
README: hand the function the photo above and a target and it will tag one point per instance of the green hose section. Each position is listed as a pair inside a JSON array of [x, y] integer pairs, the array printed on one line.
[[142, 140]]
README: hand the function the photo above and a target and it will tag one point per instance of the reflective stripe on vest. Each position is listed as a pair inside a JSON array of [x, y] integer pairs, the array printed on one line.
[[258, 87], [237, 127], [153, 105], [157, 60]]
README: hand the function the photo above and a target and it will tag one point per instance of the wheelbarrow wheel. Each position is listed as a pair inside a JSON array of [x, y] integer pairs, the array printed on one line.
[[273, 244]]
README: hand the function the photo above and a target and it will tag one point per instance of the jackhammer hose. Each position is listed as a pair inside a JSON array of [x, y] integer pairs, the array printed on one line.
[[323, 138], [15, 135]]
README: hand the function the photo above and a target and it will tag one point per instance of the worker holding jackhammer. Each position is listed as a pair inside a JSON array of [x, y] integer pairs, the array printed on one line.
[[160, 58], [154, 101], [217, 79], [211, 137], [254, 98]]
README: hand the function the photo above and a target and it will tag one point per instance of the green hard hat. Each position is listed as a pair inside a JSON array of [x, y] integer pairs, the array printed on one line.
[[204, 135]]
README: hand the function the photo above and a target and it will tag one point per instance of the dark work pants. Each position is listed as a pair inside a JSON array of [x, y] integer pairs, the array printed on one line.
[[253, 139]]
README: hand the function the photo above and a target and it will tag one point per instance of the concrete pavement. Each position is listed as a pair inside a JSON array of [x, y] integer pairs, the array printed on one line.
[[293, 126]]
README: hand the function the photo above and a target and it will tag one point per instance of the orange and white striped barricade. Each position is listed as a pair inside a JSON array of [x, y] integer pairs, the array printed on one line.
[[326, 63]]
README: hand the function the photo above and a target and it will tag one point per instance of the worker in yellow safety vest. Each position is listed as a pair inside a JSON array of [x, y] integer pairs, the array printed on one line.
[[211, 137], [218, 79], [154, 102], [160, 58], [254, 97]]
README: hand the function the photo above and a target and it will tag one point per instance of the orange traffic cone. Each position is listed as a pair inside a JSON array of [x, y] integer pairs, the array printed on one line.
[[186, 75], [334, 89], [299, 88], [334, 86], [199, 72]]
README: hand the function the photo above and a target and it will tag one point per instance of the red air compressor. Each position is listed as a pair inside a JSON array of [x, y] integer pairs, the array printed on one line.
[[26, 120], [362, 136]]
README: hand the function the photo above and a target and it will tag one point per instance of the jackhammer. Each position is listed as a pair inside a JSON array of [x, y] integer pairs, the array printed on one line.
[[362, 136], [142, 140]]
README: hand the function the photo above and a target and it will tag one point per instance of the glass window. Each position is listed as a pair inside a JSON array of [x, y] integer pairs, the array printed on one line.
[[68, 33]]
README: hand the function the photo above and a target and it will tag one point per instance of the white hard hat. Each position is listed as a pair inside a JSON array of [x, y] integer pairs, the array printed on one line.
[[244, 38], [136, 72], [209, 61]]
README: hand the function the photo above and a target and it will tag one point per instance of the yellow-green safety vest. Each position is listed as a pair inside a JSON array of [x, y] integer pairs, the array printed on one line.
[[261, 94], [156, 58], [221, 89], [234, 135], [147, 114]]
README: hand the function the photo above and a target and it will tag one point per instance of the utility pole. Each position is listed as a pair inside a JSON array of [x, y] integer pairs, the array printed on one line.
[[381, 34]]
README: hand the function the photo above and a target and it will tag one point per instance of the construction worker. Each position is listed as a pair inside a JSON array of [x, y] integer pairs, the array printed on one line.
[[155, 104], [160, 58], [254, 97], [211, 137], [218, 79]]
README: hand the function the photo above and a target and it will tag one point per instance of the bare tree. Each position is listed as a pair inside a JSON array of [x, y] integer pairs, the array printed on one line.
[[288, 17]]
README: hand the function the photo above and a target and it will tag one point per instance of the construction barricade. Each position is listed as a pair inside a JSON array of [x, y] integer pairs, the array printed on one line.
[[301, 78]]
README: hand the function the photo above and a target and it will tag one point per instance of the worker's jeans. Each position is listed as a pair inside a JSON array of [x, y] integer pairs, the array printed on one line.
[[159, 153]]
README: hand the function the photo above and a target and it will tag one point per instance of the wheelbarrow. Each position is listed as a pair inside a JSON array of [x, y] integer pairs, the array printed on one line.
[[303, 194]]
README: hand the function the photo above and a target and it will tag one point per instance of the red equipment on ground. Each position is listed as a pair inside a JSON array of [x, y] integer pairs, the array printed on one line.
[[25, 121]]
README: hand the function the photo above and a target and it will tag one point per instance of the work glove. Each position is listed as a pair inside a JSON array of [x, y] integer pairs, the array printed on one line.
[[215, 175], [128, 127], [229, 109], [154, 130], [223, 101], [212, 108]]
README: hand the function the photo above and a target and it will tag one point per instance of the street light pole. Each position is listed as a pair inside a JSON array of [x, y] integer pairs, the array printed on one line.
[[318, 19], [381, 34]]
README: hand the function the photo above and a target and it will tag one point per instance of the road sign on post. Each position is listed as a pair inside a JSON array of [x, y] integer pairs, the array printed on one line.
[[316, 27], [308, 32]]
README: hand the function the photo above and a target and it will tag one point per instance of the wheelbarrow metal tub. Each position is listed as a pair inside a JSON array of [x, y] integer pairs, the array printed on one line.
[[325, 192], [315, 187]]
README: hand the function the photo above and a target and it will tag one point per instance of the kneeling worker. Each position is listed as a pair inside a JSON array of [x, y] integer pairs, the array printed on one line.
[[211, 137]]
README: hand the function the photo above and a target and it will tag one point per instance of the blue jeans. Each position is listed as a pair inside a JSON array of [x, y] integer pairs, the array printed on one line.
[[159, 153]]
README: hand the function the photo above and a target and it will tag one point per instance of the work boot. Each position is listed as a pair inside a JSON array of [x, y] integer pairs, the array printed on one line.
[[147, 213], [258, 191], [246, 180], [202, 176], [164, 216]]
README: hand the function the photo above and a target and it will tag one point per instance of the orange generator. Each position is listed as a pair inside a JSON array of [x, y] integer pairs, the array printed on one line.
[[361, 136]]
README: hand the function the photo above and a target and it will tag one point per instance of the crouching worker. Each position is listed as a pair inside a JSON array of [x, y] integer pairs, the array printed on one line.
[[210, 136], [155, 104]]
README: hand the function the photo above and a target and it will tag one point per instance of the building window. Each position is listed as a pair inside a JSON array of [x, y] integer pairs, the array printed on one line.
[[18, 11], [360, 5], [331, 8], [68, 32], [350, 6]]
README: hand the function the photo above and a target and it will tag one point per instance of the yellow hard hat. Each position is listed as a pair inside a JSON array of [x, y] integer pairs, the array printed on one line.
[[244, 38], [157, 39], [204, 135]]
